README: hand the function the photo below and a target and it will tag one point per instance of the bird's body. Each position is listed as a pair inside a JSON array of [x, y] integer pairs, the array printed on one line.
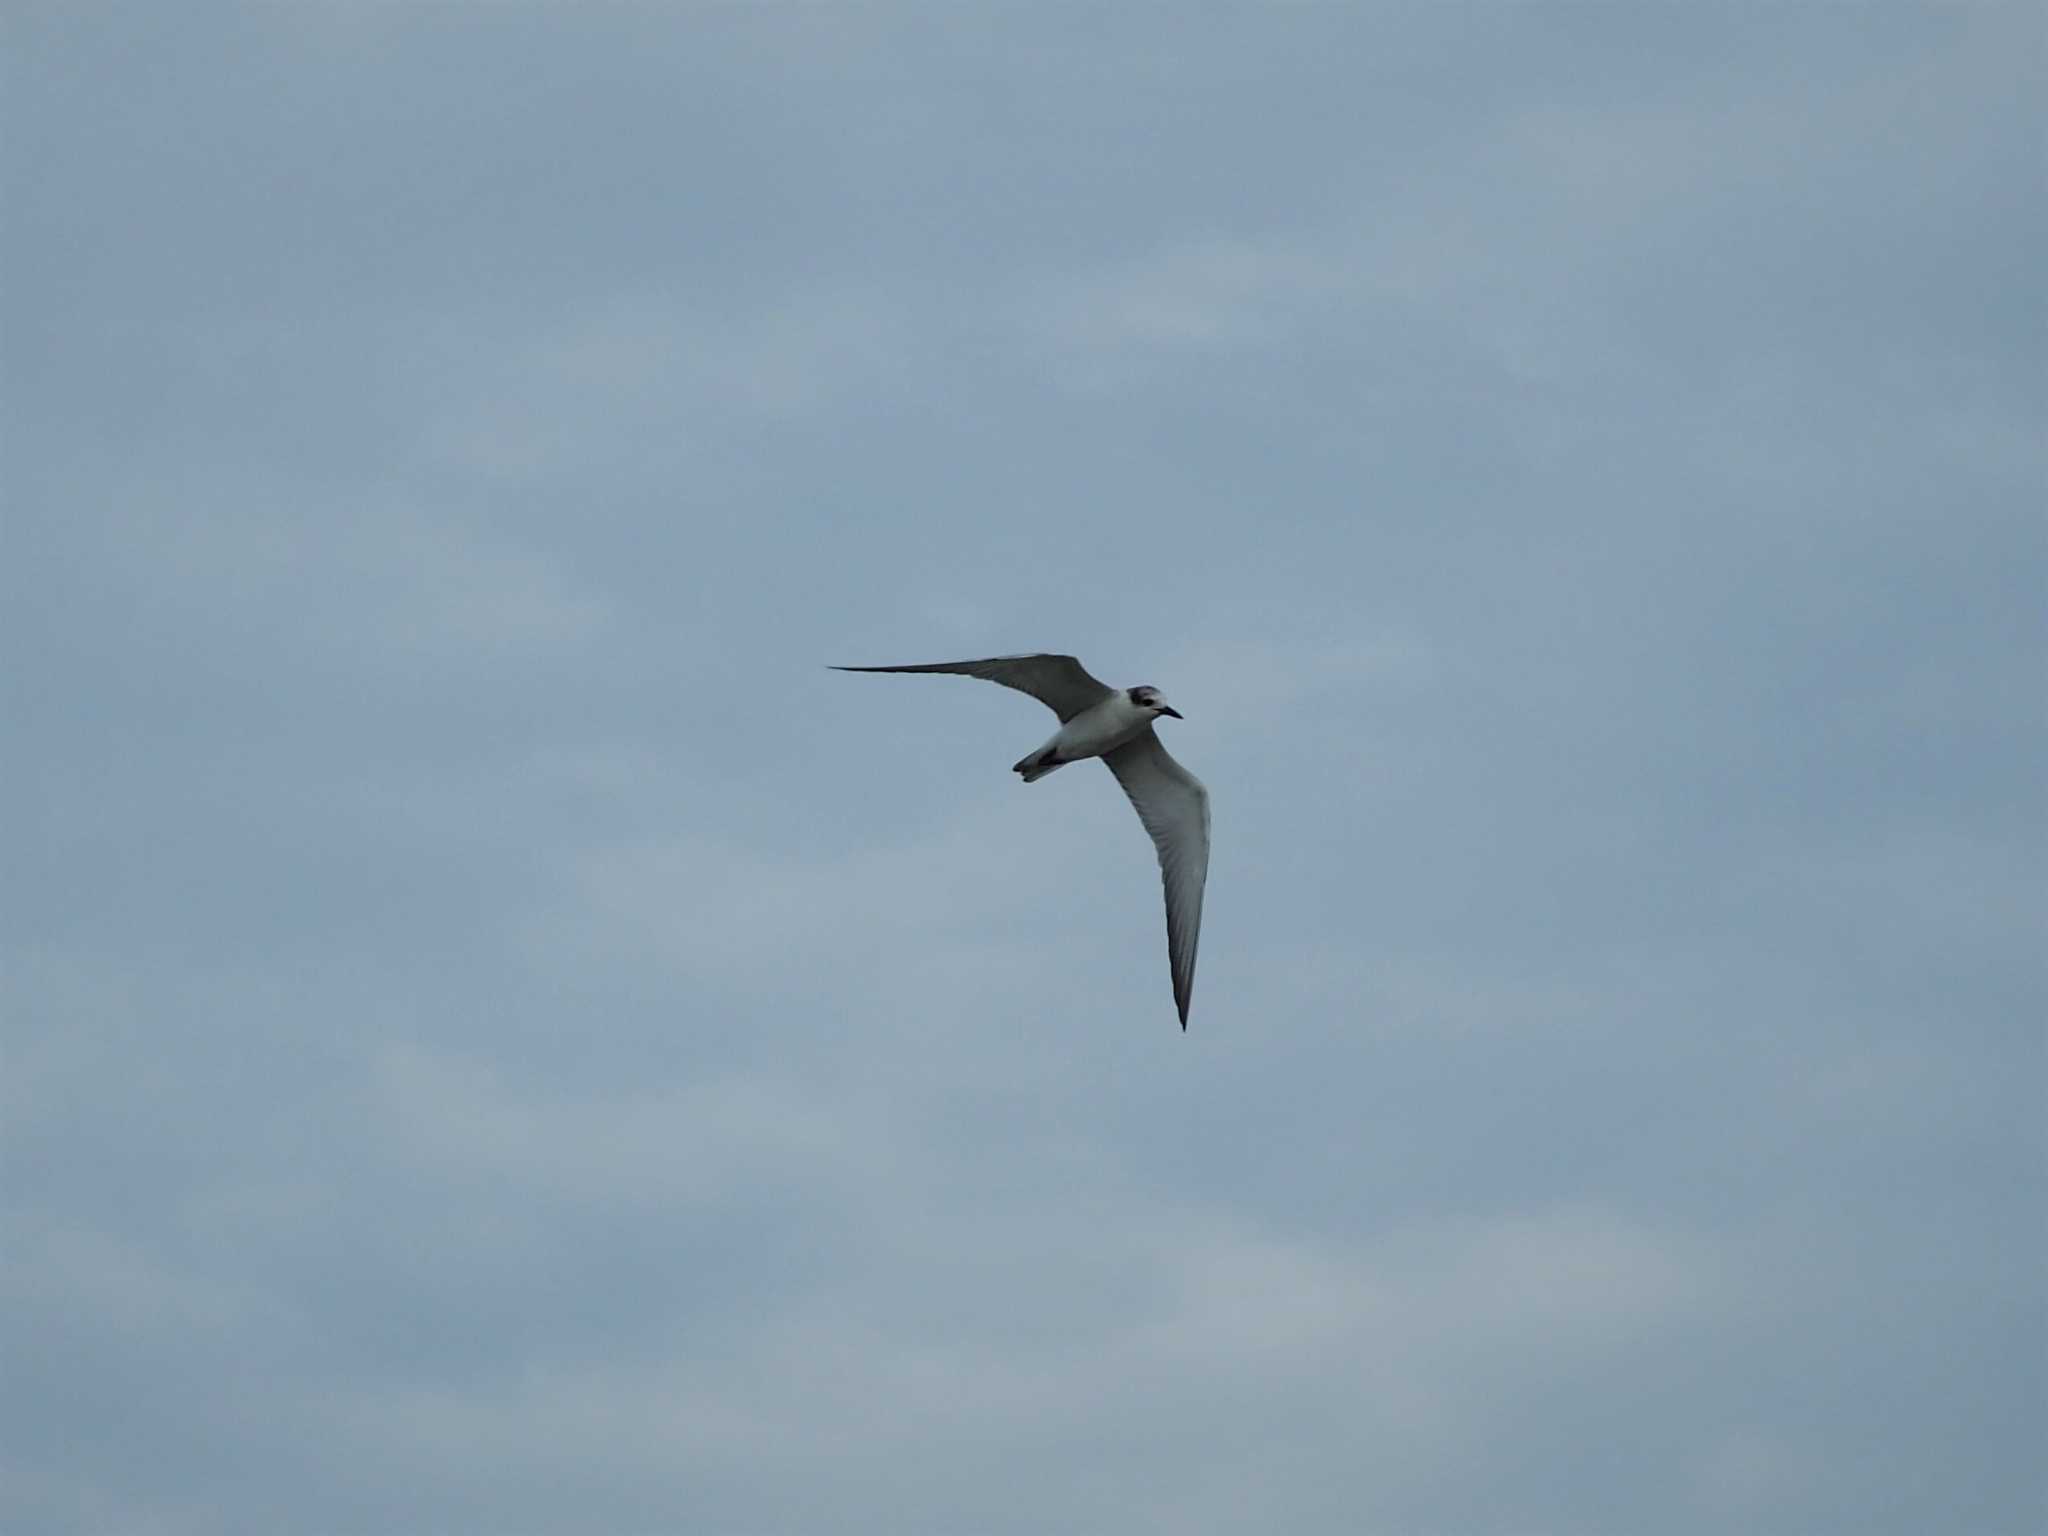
[[1099, 729], [1115, 724]]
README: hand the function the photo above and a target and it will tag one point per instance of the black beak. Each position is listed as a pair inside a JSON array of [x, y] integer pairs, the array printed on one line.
[[1168, 709]]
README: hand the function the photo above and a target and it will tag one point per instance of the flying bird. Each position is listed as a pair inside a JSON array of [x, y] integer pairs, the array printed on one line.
[[1115, 724]]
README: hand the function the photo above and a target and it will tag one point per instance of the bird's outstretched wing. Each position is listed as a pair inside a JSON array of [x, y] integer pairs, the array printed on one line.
[[1060, 683], [1175, 809]]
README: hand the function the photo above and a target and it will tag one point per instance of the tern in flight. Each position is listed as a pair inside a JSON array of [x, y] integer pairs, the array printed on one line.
[[1115, 724]]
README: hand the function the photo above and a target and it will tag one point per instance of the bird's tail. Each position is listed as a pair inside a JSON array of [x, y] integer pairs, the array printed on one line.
[[1037, 765]]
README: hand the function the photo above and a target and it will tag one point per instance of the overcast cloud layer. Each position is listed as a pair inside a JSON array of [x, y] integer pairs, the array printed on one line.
[[500, 1041]]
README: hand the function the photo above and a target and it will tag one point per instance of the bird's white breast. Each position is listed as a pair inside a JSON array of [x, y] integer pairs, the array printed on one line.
[[1103, 728]]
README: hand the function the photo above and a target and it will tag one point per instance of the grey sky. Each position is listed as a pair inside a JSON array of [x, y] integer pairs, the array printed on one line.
[[499, 1040]]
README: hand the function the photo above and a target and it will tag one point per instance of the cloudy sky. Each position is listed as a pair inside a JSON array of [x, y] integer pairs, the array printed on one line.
[[501, 1042]]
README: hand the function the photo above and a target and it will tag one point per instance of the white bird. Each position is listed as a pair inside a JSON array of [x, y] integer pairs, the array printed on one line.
[[1115, 724]]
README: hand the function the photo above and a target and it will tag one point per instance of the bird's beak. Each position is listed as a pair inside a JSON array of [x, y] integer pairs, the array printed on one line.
[[1168, 709]]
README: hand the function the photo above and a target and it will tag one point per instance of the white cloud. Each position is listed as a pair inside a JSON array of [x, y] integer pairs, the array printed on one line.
[[658, 378], [667, 1140]]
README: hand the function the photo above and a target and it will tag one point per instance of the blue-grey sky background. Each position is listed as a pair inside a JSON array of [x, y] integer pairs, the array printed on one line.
[[499, 1040]]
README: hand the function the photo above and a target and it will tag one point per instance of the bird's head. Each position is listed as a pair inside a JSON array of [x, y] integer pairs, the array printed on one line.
[[1153, 702]]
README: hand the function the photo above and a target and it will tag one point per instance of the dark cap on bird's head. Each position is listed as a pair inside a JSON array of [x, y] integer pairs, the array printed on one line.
[[1147, 697]]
